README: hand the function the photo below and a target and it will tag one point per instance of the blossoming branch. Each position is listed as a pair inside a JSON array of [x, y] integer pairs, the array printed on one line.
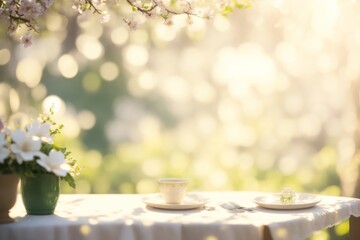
[[18, 13]]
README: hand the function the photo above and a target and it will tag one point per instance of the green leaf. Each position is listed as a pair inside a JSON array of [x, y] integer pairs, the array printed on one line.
[[226, 10], [70, 180], [243, 4]]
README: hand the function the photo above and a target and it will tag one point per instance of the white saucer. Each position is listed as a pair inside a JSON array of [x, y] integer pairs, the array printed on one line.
[[303, 200], [190, 201]]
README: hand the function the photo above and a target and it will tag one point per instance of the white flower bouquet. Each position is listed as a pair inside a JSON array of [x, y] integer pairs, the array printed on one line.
[[30, 151]]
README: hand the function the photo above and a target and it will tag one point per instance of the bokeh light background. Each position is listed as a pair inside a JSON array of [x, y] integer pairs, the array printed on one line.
[[258, 100]]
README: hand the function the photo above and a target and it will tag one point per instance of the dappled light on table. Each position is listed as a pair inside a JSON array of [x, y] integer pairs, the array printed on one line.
[[257, 100]]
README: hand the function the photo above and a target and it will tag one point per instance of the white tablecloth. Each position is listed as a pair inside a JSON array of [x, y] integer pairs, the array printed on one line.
[[126, 217]]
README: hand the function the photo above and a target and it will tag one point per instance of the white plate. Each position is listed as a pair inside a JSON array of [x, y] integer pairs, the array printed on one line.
[[190, 201], [303, 200]]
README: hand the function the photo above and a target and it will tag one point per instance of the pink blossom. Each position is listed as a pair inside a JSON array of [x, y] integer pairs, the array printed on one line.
[[208, 13], [105, 18], [26, 40], [30, 9], [12, 27], [46, 4], [186, 6], [133, 25]]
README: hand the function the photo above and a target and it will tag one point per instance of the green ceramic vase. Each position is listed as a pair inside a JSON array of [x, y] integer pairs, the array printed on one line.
[[40, 193]]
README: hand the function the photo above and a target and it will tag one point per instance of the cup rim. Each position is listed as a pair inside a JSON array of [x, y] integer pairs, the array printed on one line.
[[173, 180]]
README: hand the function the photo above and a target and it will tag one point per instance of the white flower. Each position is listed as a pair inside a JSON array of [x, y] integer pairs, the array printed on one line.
[[55, 163], [133, 24], [105, 18], [208, 13], [4, 153], [25, 147], [2, 139], [26, 40], [40, 130]]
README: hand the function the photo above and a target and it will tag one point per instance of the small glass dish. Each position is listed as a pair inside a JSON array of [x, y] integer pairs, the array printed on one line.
[[287, 196]]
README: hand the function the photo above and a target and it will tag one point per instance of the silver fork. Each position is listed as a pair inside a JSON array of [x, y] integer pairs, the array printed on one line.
[[230, 207], [237, 206]]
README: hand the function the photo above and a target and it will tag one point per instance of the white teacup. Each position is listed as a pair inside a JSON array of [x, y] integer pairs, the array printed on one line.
[[173, 189]]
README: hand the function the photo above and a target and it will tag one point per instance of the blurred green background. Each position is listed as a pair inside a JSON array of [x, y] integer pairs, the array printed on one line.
[[259, 100]]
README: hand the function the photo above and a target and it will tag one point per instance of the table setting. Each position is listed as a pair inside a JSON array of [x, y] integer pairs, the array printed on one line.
[[297, 215], [177, 213], [173, 196]]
